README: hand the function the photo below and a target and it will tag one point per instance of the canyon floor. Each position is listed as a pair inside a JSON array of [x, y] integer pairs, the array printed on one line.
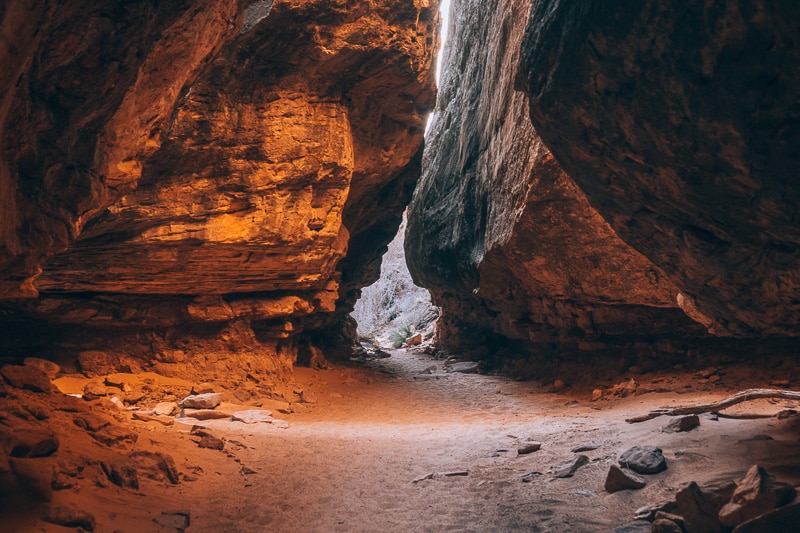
[[363, 434]]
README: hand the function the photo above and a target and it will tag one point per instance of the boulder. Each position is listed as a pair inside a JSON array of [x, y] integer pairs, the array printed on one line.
[[757, 493], [27, 377], [48, 367], [644, 460], [700, 508]]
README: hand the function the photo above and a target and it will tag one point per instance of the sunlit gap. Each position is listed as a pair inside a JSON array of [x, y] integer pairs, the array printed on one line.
[[444, 10]]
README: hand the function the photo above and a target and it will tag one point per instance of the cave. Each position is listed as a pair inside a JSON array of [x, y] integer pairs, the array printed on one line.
[[597, 202]]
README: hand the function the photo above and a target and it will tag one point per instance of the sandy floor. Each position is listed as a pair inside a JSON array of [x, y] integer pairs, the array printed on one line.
[[353, 448]]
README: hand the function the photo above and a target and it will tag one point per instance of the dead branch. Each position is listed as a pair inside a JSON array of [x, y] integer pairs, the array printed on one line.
[[739, 397]]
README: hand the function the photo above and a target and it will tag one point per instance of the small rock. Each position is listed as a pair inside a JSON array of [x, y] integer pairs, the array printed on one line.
[[90, 422], [283, 424], [597, 394], [715, 378], [584, 492], [783, 519], [671, 517], [207, 439], [121, 475], [33, 443], [786, 413], [50, 368], [252, 416], [757, 493], [714, 417], [644, 460], [27, 377], [94, 390], [414, 340], [205, 414], [662, 525], [165, 408], [558, 385], [163, 420], [638, 526], [529, 447], [635, 369], [755, 438], [780, 383], [246, 471], [118, 383], [202, 388], [681, 424], [700, 508], [649, 512], [568, 468], [466, 367], [530, 476], [619, 479], [179, 520], [68, 517], [208, 400], [708, 372], [586, 447]]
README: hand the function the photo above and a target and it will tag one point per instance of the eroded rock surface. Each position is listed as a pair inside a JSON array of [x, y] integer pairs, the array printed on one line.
[[507, 243], [679, 120], [248, 203]]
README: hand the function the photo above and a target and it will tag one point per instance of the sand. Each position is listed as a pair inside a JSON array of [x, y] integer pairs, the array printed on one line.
[[363, 434]]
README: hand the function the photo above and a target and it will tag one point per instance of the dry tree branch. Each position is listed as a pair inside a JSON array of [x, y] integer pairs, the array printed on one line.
[[739, 397]]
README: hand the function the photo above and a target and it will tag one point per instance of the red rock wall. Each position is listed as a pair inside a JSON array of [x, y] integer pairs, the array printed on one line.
[[262, 201], [680, 122]]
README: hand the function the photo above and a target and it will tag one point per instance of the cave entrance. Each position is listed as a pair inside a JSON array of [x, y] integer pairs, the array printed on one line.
[[393, 310]]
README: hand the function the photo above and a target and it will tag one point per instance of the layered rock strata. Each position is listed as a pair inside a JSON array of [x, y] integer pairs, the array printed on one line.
[[265, 205], [507, 243], [680, 122]]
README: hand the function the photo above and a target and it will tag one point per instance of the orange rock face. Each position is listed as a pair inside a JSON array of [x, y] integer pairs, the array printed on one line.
[[260, 206]]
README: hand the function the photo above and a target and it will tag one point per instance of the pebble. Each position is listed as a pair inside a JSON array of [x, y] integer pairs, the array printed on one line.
[[568, 468], [644, 460]]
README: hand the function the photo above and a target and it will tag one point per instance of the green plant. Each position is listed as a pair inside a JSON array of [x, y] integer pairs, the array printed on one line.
[[399, 335]]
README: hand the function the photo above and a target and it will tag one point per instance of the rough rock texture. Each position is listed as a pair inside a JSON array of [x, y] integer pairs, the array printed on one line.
[[500, 234], [680, 122], [233, 212]]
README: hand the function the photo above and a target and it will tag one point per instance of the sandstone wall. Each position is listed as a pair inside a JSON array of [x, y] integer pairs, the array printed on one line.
[[507, 243], [255, 212], [680, 122]]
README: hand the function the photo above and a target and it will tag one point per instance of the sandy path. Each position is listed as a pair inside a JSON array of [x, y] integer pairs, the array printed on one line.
[[347, 461]]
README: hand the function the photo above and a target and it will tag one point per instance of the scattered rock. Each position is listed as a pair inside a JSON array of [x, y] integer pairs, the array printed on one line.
[[118, 383], [786, 413], [783, 519], [208, 400], [414, 340], [568, 468], [529, 447], [202, 388], [252, 416], [558, 385], [455, 473], [662, 525], [246, 471], [27, 377], [34, 475], [780, 383], [179, 520], [649, 512], [638, 526], [94, 390], [165, 408], [156, 466], [644, 460], [283, 424], [121, 474], [90, 422], [33, 443], [708, 372], [207, 439], [586, 447], [597, 394], [584, 492], [94, 363], [50, 368], [204, 414], [619, 479], [163, 420], [624, 388], [700, 508], [677, 519], [681, 424], [757, 493], [467, 367], [68, 517], [530, 476]]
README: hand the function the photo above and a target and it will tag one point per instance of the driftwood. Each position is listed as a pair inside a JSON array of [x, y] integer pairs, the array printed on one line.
[[739, 397]]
